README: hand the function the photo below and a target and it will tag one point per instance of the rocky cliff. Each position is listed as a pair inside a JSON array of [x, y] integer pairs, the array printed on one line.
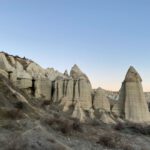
[[73, 92]]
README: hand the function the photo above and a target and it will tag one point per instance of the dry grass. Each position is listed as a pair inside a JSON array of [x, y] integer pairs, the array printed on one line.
[[19, 105], [66, 126], [136, 128], [119, 126], [14, 142], [114, 140], [11, 113], [108, 140], [45, 103]]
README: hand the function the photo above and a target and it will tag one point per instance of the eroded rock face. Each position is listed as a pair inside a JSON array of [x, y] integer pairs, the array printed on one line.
[[75, 87], [59, 90], [43, 89], [74, 92], [68, 89], [101, 101], [27, 75], [132, 105], [83, 89]]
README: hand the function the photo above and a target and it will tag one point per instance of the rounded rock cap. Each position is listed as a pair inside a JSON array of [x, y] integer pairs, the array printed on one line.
[[132, 75]]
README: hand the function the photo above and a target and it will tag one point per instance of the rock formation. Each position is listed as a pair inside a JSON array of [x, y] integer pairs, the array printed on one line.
[[83, 89], [28, 75], [132, 105], [74, 92], [101, 101]]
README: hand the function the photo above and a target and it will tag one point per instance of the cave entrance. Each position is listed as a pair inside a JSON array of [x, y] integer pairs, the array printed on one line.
[[52, 89], [33, 87], [9, 74], [149, 107]]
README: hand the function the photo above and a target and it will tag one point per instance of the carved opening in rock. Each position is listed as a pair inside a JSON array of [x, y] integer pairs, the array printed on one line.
[[74, 83], [52, 89], [149, 107], [33, 87], [9, 74]]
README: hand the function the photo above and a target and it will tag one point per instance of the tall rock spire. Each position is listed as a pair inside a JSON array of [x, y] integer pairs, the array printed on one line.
[[132, 104], [75, 72], [132, 75], [83, 87]]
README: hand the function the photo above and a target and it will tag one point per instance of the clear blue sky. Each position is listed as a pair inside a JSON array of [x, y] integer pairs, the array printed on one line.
[[104, 37]]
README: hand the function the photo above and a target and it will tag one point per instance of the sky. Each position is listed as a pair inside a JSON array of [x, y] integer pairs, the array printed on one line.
[[103, 37]]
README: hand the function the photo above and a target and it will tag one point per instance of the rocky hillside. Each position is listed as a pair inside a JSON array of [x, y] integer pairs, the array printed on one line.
[[45, 109]]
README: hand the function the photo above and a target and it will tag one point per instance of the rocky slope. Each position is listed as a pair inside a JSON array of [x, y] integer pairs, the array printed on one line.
[[45, 109]]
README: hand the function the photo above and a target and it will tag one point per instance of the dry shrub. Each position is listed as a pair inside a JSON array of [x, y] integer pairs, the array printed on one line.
[[119, 126], [66, 126], [58, 147], [51, 140], [109, 140], [136, 128], [140, 129], [14, 114], [127, 147], [19, 105], [11, 125], [15, 142], [77, 126], [96, 122], [45, 103], [114, 140]]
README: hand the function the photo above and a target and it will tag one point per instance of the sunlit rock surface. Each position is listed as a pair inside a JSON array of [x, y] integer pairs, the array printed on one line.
[[132, 104], [74, 94]]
